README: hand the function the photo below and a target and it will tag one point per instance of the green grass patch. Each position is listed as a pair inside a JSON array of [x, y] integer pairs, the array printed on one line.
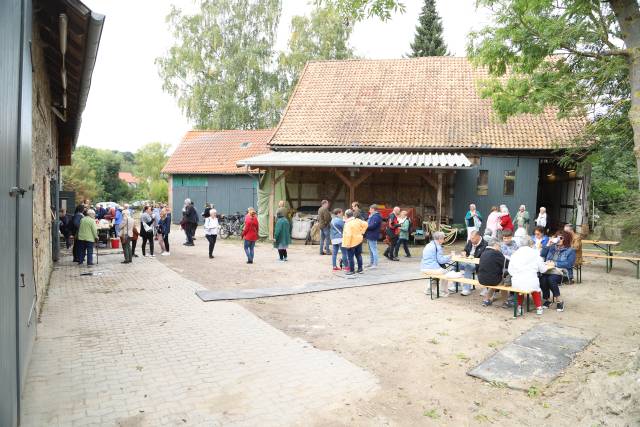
[[615, 373], [432, 413], [533, 392], [463, 357]]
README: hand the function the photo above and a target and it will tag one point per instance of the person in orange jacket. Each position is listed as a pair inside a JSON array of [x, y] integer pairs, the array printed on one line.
[[352, 236]]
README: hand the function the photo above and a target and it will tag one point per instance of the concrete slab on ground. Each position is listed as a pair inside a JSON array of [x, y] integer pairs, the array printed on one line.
[[536, 357], [369, 278]]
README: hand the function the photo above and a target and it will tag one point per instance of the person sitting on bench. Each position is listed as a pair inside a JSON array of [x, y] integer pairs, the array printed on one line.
[[491, 269], [524, 266], [558, 255], [434, 262], [474, 248]]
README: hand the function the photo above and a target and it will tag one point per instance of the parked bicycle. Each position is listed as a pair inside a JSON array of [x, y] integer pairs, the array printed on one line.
[[231, 225]]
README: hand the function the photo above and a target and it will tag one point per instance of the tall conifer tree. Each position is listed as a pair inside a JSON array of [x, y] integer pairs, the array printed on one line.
[[428, 40]]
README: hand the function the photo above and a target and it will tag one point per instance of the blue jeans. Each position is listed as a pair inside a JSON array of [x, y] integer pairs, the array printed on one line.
[[355, 252], [334, 256], [325, 240], [86, 249], [373, 252], [248, 249], [468, 270]]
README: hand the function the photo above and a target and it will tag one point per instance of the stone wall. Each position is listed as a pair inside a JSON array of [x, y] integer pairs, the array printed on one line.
[[44, 170]]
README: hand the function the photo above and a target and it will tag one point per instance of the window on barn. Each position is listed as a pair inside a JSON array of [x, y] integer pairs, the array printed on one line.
[[509, 183], [483, 182]]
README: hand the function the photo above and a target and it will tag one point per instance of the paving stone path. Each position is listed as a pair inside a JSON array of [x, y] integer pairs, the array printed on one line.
[[132, 345]]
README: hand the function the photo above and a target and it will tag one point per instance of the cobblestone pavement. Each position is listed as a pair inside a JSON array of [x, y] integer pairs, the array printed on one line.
[[133, 345]]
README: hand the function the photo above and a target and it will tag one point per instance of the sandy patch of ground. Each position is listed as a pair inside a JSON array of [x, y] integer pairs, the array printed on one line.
[[421, 349]]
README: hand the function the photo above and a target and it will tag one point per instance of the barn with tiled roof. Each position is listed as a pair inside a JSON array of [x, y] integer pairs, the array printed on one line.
[[416, 132], [203, 168]]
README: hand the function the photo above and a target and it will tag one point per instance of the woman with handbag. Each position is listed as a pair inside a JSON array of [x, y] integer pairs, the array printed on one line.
[[146, 230]]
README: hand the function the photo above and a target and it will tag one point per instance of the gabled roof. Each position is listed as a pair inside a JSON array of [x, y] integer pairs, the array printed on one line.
[[408, 104], [216, 151], [128, 177]]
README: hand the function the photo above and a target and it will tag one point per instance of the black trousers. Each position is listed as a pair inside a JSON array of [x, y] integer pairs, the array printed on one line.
[[147, 237], [165, 238], [392, 244], [133, 246], [405, 245], [212, 242], [549, 284]]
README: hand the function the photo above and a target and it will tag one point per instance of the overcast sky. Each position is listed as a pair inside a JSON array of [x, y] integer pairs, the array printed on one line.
[[127, 107]]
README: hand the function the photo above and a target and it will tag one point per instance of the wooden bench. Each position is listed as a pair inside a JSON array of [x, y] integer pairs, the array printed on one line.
[[435, 279], [633, 260]]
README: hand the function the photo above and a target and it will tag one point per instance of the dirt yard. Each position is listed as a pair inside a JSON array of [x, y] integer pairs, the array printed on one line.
[[420, 350]]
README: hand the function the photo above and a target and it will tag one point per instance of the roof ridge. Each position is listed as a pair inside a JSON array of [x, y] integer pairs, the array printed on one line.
[[421, 58], [230, 130]]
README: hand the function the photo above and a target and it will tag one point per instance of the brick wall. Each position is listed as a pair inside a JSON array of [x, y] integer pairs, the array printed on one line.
[[45, 168]]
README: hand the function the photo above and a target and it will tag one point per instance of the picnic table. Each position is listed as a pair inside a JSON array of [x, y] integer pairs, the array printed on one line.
[[605, 246]]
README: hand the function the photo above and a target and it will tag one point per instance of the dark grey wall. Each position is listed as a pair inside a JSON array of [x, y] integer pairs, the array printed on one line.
[[526, 186], [228, 193]]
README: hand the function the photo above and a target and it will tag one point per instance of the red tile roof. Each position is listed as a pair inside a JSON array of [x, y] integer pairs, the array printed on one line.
[[128, 177], [216, 151], [416, 103]]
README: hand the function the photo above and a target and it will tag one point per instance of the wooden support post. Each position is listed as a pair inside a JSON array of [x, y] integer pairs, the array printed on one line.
[[299, 191], [352, 185], [439, 201], [272, 201]]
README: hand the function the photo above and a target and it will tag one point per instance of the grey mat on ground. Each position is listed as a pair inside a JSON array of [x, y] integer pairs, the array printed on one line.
[[536, 357], [374, 277]]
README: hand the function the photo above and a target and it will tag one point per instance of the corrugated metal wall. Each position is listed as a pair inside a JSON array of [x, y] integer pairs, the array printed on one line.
[[16, 264], [228, 193], [526, 186], [10, 30]]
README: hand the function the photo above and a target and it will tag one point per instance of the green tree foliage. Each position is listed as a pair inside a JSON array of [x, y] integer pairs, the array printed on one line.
[[159, 190], [579, 56], [101, 168], [149, 161], [357, 10], [80, 178], [221, 66], [428, 40], [322, 35]]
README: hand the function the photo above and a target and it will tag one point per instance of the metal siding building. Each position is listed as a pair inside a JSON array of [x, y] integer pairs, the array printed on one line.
[[525, 188], [203, 168], [228, 193], [11, 36]]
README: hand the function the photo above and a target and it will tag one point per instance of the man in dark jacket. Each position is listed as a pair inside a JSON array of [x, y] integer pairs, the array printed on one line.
[[473, 249], [491, 268], [324, 222], [191, 219], [393, 230], [373, 234]]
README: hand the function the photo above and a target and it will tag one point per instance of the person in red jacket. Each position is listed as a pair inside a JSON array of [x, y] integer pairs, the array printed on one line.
[[505, 219], [250, 233]]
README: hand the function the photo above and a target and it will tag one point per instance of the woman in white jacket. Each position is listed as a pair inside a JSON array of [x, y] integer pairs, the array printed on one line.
[[524, 266], [211, 227]]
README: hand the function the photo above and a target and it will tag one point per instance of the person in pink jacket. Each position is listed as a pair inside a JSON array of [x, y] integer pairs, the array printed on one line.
[[493, 223]]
